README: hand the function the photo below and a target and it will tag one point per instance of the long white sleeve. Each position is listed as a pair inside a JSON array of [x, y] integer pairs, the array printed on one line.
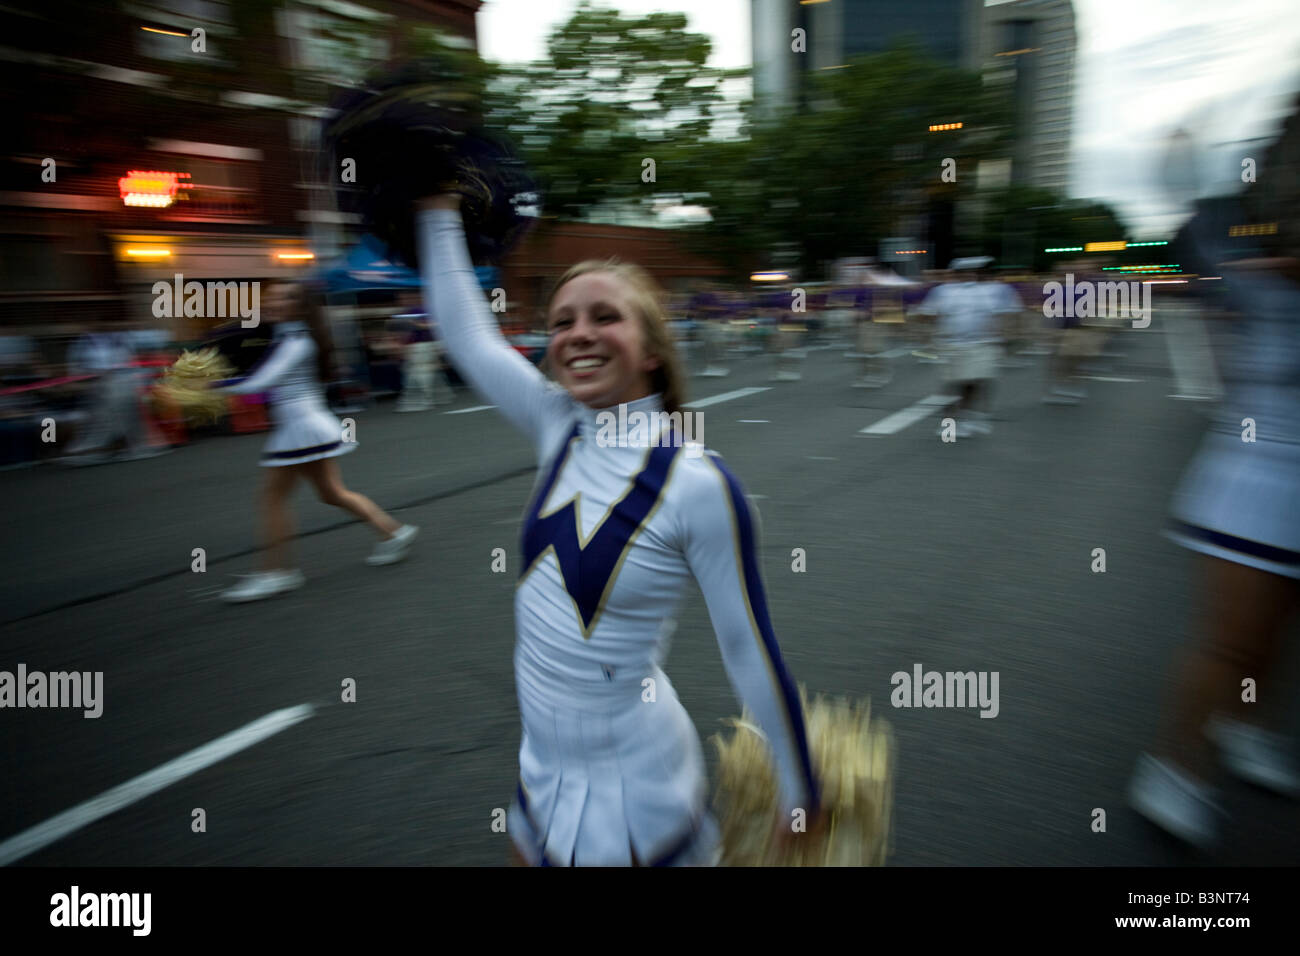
[[284, 355], [721, 538], [473, 340]]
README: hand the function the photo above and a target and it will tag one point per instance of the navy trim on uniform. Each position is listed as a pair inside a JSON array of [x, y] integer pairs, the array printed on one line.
[[664, 859], [686, 842], [295, 452], [1253, 549], [561, 456], [522, 799], [587, 571], [758, 603]]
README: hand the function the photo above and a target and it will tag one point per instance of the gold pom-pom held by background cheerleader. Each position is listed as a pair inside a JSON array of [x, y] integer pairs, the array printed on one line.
[[187, 385]]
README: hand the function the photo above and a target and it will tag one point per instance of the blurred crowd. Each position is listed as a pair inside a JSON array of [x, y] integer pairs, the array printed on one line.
[[94, 383]]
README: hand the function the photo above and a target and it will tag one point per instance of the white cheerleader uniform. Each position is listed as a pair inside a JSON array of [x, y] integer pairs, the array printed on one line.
[[303, 428], [611, 770], [1239, 500]]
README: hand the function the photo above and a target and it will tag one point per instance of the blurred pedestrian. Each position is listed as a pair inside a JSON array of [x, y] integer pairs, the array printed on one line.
[[969, 336], [877, 311], [305, 441], [113, 410], [418, 358], [1076, 343]]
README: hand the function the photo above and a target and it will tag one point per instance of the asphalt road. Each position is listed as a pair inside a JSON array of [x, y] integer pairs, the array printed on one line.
[[972, 555]]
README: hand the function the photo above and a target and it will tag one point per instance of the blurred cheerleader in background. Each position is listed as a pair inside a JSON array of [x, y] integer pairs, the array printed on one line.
[[305, 441]]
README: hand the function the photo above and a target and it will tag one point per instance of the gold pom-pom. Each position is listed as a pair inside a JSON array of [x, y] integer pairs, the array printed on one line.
[[853, 757], [187, 384]]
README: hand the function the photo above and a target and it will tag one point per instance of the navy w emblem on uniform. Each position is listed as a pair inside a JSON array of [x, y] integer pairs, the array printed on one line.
[[589, 570]]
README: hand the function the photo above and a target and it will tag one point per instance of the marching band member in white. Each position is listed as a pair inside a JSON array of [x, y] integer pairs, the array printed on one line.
[[611, 767]]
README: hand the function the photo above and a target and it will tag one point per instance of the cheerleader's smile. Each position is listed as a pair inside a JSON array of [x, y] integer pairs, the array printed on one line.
[[597, 348]]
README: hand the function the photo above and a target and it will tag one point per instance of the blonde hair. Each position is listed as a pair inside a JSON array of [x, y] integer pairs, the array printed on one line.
[[646, 297]]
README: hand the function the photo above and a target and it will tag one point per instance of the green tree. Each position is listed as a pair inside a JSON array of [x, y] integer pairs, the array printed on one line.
[[848, 168], [613, 91]]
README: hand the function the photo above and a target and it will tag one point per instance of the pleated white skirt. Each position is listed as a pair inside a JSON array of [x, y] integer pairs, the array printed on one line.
[[604, 778], [302, 432], [1241, 501]]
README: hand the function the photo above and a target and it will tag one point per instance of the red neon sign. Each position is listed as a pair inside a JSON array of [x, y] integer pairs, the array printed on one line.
[[151, 188]]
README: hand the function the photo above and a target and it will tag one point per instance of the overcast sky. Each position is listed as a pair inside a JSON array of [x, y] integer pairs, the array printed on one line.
[[1223, 69]]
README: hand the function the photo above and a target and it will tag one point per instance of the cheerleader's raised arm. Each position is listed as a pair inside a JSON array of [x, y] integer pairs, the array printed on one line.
[[473, 340]]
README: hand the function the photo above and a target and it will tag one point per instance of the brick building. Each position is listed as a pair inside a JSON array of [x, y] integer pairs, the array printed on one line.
[[531, 269], [224, 96], [231, 116]]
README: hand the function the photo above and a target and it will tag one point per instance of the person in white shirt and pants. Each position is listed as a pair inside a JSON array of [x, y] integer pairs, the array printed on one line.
[[967, 328], [114, 402]]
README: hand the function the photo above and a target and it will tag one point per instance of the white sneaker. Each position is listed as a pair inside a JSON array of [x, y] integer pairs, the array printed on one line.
[[395, 548], [264, 584], [1175, 802], [1256, 755]]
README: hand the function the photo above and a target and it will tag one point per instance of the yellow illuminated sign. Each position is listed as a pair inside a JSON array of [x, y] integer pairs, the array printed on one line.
[[1256, 229]]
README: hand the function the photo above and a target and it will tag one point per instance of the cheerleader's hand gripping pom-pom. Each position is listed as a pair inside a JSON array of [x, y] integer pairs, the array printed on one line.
[[188, 384], [853, 758], [415, 133]]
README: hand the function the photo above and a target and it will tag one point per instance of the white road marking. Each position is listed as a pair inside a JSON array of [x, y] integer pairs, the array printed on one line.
[[466, 411], [1109, 378], [820, 458], [754, 421], [123, 795], [208, 592], [908, 416], [726, 397]]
